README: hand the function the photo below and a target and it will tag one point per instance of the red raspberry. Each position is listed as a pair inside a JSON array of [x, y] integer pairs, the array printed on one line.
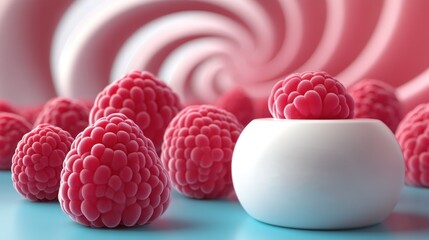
[[197, 151], [310, 95], [148, 101], [87, 103], [12, 128], [413, 137], [30, 112], [38, 160], [68, 114], [376, 99], [6, 107], [113, 177], [237, 102], [261, 108]]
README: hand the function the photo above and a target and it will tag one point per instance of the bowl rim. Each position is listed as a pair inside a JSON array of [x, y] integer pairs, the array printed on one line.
[[325, 121]]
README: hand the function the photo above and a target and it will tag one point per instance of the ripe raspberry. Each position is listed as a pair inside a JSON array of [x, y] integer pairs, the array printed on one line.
[[197, 151], [113, 177], [12, 128], [148, 101], [30, 112], [38, 160], [68, 114], [310, 95], [261, 108], [413, 137], [86, 103], [6, 107], [376, 99], [237, 102]]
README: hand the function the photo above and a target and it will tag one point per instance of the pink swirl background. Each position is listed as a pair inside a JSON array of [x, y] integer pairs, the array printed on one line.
[[202, 48]]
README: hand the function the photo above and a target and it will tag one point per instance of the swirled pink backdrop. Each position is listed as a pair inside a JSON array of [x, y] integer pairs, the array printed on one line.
[[202, 48]]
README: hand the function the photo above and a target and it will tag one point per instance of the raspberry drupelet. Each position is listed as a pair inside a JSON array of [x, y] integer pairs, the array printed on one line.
[[376, 99], [12, 128], [310, 95], [413, 137], [38, 161], [68, 114], [197, 151], [142, 97], [112, 176]]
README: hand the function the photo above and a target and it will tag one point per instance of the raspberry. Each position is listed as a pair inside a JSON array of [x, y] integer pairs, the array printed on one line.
[[261, 108], [12, 128], [6, 107], [30, 112], [113, 177], [68, 114], [86, 103], [148, 101], [38, 160], [376, 99], [413, 137], [310, 95], [197, 151], [237, 102]]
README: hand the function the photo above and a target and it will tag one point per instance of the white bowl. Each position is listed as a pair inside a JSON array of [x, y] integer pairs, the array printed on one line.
[[318, 174]]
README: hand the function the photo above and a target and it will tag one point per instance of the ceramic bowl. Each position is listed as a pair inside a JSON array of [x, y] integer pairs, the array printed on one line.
[[318, 174]]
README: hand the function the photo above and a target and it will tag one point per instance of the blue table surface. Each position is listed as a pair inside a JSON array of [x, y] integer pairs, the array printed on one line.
[[197, 219]]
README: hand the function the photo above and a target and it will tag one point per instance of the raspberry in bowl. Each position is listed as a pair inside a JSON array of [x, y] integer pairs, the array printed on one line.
[[312, 166], [310, 95]]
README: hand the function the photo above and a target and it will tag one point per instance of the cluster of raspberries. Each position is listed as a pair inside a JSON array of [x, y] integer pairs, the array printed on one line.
[[114, 161], [101, 160]]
